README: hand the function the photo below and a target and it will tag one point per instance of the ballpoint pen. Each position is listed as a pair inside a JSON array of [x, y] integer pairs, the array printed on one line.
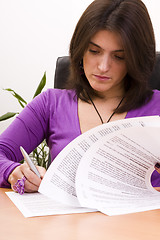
[[29, 162]]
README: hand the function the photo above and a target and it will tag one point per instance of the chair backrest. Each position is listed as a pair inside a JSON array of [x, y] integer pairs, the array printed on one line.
[[62, 73], [155, 77]]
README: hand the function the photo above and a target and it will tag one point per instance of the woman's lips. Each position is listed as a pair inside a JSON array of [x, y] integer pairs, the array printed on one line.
[[102, 78]]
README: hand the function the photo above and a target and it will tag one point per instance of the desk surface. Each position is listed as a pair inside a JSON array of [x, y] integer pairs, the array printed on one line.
[[84, 226]]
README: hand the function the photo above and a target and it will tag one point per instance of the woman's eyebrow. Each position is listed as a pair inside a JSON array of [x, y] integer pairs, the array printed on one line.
[[96, 45], [120, 50]]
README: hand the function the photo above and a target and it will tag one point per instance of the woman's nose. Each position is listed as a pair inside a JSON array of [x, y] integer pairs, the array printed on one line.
[[104, 64]]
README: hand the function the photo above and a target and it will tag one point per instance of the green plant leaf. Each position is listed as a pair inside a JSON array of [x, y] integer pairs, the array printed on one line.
[[41, 85], [16, 95], [22, 105], [7, 116], [41, 153]]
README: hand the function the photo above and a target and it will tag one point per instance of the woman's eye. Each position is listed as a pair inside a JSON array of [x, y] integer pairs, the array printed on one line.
[[93, 51], [119, 57]]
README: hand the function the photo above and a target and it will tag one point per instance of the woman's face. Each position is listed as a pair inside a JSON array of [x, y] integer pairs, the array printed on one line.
[[104, 63]]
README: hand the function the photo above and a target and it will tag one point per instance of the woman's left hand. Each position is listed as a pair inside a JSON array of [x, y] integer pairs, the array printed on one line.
[[157, 167]]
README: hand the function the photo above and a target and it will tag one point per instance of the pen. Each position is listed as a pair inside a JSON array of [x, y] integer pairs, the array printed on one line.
[[29, 162]]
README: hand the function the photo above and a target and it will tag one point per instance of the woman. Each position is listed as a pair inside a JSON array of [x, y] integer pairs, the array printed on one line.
[[112, 54]]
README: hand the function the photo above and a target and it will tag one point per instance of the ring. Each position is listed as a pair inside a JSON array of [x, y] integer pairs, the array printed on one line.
[[19, 185]]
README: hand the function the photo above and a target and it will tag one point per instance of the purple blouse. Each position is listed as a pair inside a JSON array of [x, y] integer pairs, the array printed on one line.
[[52, 115]]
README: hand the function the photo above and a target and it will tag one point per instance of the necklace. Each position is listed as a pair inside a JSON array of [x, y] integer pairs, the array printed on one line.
[[99, 113]]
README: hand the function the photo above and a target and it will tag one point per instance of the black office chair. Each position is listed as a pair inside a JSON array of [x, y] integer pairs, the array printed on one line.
[[62, 73]]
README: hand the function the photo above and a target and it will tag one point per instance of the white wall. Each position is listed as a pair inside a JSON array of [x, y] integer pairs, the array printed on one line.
[[33, 33]]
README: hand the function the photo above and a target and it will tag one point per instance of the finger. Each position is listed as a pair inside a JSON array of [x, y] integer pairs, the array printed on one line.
[[157, 189], [42, 171], [30, 187], [32, 180], [15, 175], [30, 175], [157, 167]]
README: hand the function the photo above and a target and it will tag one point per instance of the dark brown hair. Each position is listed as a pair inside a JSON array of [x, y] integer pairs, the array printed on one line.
[[130, 19]]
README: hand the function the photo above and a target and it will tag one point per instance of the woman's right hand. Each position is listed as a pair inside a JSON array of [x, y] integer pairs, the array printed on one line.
[[32, 180]]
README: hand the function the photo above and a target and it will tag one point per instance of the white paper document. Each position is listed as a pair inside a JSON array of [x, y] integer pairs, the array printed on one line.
[[108, 168], [114, 175], [36, 204]]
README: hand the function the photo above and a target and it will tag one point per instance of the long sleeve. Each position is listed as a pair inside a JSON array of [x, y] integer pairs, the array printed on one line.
[[27, 130], [52, 115]]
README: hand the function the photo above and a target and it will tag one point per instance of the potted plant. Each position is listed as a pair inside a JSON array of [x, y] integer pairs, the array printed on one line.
[[40, 154]]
